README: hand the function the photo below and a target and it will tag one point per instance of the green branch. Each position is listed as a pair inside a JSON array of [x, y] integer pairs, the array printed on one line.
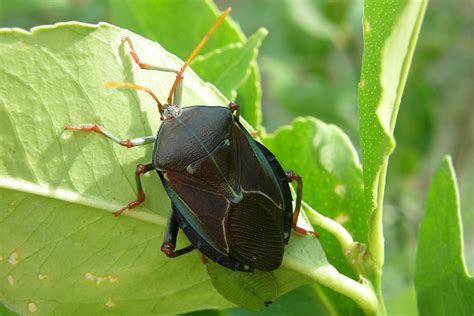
[[361, 293]]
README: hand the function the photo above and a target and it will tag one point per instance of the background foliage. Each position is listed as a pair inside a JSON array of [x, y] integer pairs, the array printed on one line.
[[310, 65]]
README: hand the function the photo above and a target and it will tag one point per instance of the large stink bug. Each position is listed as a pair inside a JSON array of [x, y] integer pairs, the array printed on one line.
[[228, 192]]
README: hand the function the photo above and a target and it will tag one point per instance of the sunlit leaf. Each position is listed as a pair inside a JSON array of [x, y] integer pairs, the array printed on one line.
[[223, 67], [390, 33], [179, 25], [443, 285], [58, 188], [332, 183]]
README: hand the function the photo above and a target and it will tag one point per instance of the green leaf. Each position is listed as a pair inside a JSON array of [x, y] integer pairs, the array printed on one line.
[[253, 291], [6, 312], [442, 282], [63, 251], [332, 183], [304, 300], [223, 67], [309, 18], [390, 32], [249, 96], [179, 25], [257, 290], [59, 187]]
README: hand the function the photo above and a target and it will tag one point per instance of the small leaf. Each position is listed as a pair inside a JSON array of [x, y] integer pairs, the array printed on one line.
[[249, 96], [253, 291], [309, 18], [179, 25], [304, 300], [257, 290], [332, 183], [223, 67], [442, 282]]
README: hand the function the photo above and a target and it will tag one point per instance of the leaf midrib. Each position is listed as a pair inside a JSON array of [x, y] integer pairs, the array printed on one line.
[[144, 214]]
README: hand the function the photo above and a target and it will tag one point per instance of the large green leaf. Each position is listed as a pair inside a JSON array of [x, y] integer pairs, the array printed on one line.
[[443, 285], [62, 249], [59, 188], [332, 178], [179, 25], [390, 32]]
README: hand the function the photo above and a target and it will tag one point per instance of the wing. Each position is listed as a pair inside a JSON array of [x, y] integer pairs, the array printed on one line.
[[255, 226], [233, 200], [201, 206]]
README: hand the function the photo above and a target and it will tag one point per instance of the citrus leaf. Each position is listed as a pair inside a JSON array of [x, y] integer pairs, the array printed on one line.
[[332, 183], [258, 290], [169, 23], [443, 285], [304, 300], [249, 96], [58, 188], [223, 67], [177, 24], [390, 33]]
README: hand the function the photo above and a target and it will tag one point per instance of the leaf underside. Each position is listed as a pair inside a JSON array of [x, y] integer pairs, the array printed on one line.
[[58, 188]]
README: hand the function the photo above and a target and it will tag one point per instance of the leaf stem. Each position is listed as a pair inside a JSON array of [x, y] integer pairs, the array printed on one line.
[[330, 225], [375, 236], [327, 275]]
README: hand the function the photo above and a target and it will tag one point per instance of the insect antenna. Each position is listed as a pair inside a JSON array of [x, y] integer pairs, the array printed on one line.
[[179, 75], [137, 87]]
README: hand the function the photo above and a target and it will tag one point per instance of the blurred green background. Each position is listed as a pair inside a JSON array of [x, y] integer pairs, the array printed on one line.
[[310, 64]]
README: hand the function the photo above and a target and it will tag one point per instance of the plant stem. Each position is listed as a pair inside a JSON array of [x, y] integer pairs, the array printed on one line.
[[346, 241], [330, 225], [361, 293], [375, 236]]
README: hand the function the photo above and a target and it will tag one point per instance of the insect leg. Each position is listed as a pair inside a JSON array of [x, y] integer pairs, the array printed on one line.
[[178, 93], [179, 75], [141, 169], [129, 143], [171, 234], [145, 66], [234, 107], [137, 87], [290, 175]]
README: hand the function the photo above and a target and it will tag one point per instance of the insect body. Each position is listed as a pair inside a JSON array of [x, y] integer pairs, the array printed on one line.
[[229, 194]]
